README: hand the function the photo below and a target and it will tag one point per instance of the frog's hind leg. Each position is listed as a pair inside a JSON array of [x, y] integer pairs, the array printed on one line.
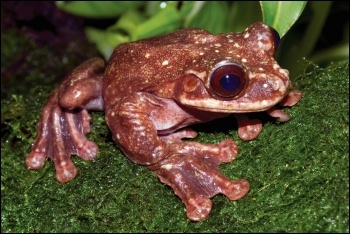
[[65, 121]]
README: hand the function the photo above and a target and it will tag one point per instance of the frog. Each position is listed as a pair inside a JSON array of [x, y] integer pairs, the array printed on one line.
[[152, 90]]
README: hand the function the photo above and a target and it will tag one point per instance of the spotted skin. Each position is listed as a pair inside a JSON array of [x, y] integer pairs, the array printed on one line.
[[151, 90]]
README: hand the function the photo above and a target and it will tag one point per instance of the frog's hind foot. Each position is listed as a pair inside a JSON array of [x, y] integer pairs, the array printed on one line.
[[61, 133], [65, 121]]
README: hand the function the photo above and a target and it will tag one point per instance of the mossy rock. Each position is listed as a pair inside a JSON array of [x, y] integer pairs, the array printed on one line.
[[298, 173]]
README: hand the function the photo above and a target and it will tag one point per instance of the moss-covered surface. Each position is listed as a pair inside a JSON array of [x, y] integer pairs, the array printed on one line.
[[298, 171]]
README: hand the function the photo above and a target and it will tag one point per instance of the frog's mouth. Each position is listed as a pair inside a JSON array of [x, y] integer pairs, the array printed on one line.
[[236, 106]]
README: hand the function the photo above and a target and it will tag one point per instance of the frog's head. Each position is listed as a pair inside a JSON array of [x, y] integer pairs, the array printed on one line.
[[235, 73]]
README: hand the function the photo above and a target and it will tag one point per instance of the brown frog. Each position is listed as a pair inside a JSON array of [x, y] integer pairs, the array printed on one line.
[[151, 89]]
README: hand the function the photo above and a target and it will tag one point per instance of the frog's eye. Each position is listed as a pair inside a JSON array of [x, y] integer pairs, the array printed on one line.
[[276, 38], [228, 80]]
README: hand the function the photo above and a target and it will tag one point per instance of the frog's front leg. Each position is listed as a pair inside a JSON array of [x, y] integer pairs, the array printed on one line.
[[65, 121], [194, 175], [134, 131]]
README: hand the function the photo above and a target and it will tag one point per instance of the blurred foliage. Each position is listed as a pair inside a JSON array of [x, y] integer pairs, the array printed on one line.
[[130, 21]]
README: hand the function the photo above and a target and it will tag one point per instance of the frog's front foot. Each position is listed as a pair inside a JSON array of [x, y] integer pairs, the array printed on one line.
[[195, 177]]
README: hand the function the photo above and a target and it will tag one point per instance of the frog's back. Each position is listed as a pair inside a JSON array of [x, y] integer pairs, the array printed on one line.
[[146, 63]]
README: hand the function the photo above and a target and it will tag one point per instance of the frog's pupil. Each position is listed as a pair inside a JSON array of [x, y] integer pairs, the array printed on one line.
[[230, 82]]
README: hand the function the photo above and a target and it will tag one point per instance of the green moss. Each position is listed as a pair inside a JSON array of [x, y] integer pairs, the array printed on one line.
[[298, 173]]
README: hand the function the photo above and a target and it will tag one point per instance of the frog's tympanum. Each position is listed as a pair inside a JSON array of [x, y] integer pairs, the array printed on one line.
[[151, 89]]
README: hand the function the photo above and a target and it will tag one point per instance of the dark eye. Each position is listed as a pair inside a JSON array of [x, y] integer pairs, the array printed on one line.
[[276, 38], [228, 80]]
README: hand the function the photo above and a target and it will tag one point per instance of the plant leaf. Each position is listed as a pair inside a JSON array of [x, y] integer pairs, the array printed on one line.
[[164, 21], [239, 18], [97, 9], [281, 15], [210, 15]]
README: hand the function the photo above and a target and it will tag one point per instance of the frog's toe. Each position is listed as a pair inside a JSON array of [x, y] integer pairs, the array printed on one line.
[[280, 115], [88, 151], [236, 189], [65, 171], [228, 150], [35, 160], [248, 129], [198, 208]]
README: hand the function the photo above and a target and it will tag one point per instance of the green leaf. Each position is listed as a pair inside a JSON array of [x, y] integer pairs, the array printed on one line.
[[239, 18], [97, 9], [105, 40], [166, 20], [127, 24], [281, 15], [209, 15]]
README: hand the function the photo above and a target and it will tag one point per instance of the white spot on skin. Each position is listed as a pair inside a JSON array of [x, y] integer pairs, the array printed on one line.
[[117, 136], [156, 150], [217, 45], [244, 60], [216, 51], [167, 166], [139, 128], [246, 35], [236, 45], [201, 53], [230, 41], [276, 66], [113, 113], [77, 94], [147, 55], [252, 75], [265, 85], [165, 62], [276, 85], [260, 44], [284, 72], [261, 69], [264, 103], [261, 37]]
